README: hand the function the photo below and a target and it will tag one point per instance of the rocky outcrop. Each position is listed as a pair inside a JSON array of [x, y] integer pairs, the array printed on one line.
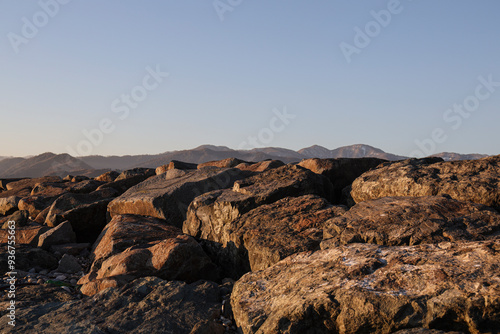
[[475, 181], [8, 205], [145, 172], [341, 171], [27, 235], [61, 234], [269, 233], [174, 164], [412, 220], [261, 166], [225, 163], [147, 305], [374, 289], [85, 212], [134, 246], [107, 177], [168, 195]]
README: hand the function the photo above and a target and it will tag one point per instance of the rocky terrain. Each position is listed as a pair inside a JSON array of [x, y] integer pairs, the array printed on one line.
[[323, 245]]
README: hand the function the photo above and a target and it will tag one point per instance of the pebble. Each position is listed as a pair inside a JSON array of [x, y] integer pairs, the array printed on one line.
[[32, 270], [40, 281], [31, 280], [66, 288], [60, 278], [73, 281], [44, 272]]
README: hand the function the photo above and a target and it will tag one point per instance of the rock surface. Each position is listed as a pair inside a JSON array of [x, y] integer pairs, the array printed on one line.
[[475, 181], [147, 305], [268, 233], [27, 235], [168, 195], [85, 212], [134, 246], [341, 171], [396, 221], [376, 289], [61, 234], [175, 164]]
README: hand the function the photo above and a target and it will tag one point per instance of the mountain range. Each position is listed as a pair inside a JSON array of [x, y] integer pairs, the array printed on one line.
[[63, 164]]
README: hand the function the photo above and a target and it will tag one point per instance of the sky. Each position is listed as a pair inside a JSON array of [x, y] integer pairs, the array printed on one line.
[[144, 77]]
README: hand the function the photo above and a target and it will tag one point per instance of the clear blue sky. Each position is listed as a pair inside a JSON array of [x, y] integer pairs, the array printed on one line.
[[227, 76]]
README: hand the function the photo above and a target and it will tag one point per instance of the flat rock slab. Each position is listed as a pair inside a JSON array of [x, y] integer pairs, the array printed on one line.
[[396, 221], [366, 288], [168, 195], [475, 181], [147, 305]]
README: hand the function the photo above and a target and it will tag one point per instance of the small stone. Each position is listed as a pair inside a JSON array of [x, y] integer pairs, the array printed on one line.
[[32, 270], [61, 278], [44, 272], [40, 281], [66, 288], [69, 264], [73, 281]]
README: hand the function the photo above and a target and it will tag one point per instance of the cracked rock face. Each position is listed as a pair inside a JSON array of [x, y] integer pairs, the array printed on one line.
[[475, 181], [366, 288], [396, 221]]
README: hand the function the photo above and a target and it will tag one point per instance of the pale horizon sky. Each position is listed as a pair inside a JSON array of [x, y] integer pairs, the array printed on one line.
[[89, 77]]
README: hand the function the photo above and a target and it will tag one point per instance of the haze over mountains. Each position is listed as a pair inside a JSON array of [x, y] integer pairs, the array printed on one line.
[[63, 164]]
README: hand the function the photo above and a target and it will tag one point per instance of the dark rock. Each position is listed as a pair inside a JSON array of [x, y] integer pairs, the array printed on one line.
[[469, 180], [69, 264], [268, 234], [71, 248], [413, 220], [366, 288], [28, 257], [174, 164], [341, 171], [79, 178], [168, 195], [144, 172], [85, 212], [27, 235], [35, 204], [84, 187], [21, 218], [61, 234], [146, 305]]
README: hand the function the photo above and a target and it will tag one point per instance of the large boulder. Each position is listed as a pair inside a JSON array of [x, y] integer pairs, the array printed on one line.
[[341, 171], [412, 220], [133, 246], [108, 176], [27, 235], [31, 183], [168, 195], [208, 213], [35, 204], [85, 212], [269, 233], [224, 163], [28, 257], [9, 205], [144, 172], [175, 164], [145, 306], [367, 288], [61, 234], [260, 166], [475, 181]]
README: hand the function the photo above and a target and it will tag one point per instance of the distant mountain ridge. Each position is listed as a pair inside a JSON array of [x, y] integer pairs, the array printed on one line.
[[63, 164]]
